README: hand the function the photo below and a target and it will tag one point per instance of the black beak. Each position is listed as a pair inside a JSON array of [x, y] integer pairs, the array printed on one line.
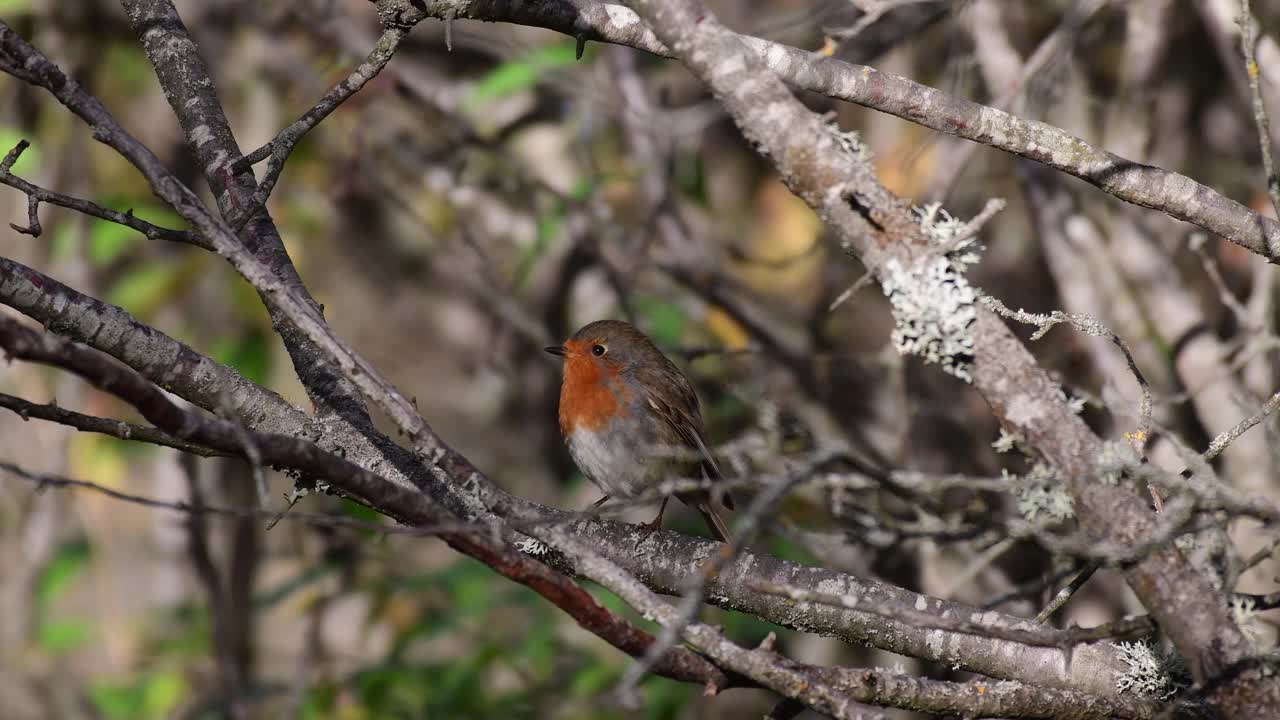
[[555, 350]]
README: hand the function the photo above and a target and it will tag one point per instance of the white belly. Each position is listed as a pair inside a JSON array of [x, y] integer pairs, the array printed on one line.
[[618, 470]]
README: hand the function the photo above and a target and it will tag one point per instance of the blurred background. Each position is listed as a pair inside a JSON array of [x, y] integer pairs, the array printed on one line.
[[473, 205]]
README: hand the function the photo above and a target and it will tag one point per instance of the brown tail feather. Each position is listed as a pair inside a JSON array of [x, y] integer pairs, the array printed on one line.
[[714, 523]]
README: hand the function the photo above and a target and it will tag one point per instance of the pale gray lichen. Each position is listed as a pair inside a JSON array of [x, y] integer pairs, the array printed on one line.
[[1115, 460], [934, 306], [1150, 672], [1007, 441], [933, 309], [1040, 494], [949, 234], [850, 141], [1074, 404], [532, 547], [1245, 612]]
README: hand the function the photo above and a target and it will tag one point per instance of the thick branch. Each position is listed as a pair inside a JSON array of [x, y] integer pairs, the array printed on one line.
[[1171, 193], [191, 93], [405, 505], [871, 221], [831, 690]]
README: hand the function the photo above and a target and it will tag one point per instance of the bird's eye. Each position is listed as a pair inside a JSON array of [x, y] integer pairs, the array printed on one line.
[[598, 350]]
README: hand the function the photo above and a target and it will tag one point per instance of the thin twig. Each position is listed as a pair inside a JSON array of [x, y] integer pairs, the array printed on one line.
[[1223, 440], [36, 194], [746, 528], [1067, 591], [1248, 42], [45, 481], [279, 148], [1089, 326], [105, 426]]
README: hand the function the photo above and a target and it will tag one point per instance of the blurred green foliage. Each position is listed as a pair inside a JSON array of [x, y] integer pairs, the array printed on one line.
[[520, 74], [59, 635], [9, 137], [152, 695]]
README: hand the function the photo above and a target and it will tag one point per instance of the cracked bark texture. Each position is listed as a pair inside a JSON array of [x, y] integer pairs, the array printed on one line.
[[1181, 600]]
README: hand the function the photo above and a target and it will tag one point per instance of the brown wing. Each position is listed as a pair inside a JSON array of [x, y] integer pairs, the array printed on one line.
[[680, 410]]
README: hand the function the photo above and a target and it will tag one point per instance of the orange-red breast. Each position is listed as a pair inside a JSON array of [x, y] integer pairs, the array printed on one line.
[[631, 418]]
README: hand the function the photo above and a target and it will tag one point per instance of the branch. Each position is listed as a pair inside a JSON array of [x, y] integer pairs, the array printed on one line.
[[1248, 48], [255, 247], [114, 428], [1171, 193], [451, 479], [829, 690], [279, 148], [405, 505], [870, 221], [36, 194]]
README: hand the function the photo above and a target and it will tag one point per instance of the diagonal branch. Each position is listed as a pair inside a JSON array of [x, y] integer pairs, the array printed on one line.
[[876, 225], [830, 690], [279, 148], [1168, 192], [407, 506], [193, 97]]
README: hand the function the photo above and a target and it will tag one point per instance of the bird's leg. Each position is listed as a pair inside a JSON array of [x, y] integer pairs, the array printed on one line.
[[599, 502], [657, 522], [649, 527]]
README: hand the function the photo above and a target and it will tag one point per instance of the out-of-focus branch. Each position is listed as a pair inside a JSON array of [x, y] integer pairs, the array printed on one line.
[[1249, 48], [1013, 98], [230, 674], [1168, 192]]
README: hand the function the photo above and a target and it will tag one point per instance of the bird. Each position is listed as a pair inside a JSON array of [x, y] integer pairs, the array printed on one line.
[[631, 419]]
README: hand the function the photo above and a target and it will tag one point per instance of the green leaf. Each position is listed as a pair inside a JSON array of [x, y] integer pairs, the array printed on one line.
[[68, 563], [666, 320], [592, 679], [144, 288], [149, 697], [516, 75], [9, 138], [161, 693], [65, 243], [10, 8], [250, 353], [115, 701], [108, 240], [60, 636]]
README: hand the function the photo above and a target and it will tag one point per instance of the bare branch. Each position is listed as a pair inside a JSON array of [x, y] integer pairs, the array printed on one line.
[[279, 148], [830, 690], [115, 428], [1171, 193], [873, 223], [1224, 440], [1248, 48], [36, 194]]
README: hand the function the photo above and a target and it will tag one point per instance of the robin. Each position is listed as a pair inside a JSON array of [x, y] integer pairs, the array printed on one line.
[[631, 418]]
